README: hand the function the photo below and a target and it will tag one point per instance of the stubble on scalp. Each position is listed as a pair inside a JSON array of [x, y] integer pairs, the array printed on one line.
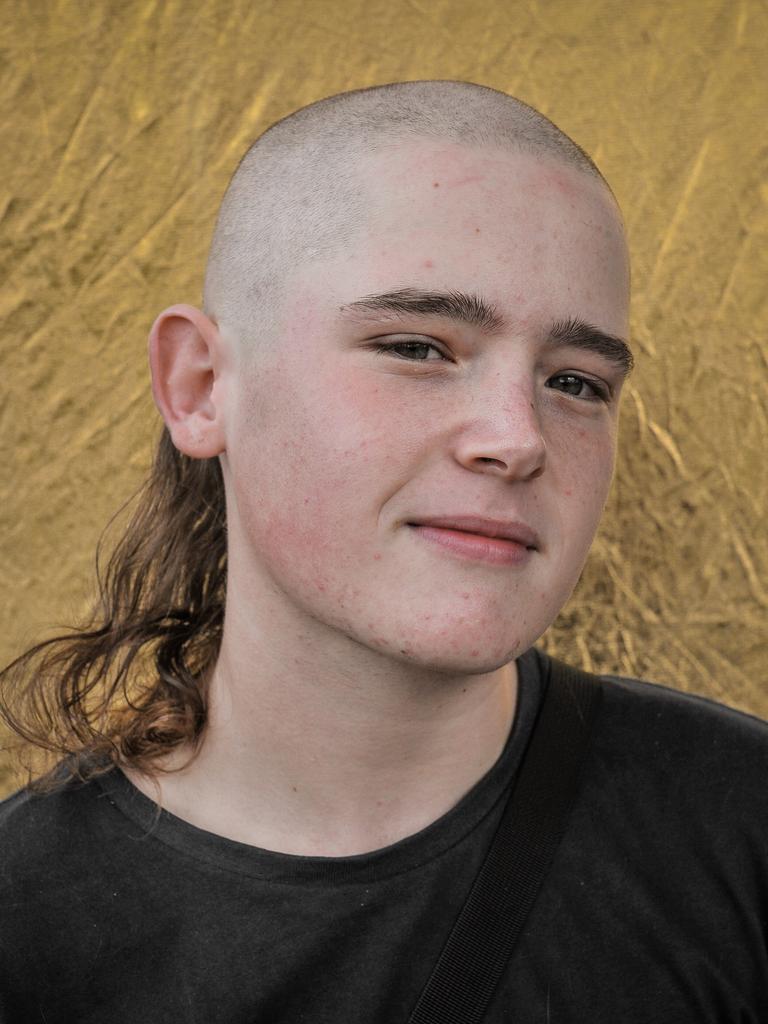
[[298, 194]]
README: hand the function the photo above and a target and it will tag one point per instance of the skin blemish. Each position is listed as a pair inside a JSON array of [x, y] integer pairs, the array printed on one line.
[[435, 184], [465, 596], [428, 263], [477, 231], [377, 558], [474, 654]]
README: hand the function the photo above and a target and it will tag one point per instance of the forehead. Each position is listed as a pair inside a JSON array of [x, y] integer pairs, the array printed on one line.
[[528, 232], [464, 188], [433, 172]]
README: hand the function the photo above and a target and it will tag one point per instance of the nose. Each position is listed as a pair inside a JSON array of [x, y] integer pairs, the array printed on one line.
[[507, 441]]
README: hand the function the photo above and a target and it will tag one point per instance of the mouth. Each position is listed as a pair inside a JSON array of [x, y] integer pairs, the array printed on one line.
[[494, 541]]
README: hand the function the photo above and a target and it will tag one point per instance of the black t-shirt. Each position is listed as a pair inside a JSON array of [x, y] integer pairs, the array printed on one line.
[[655, 910]]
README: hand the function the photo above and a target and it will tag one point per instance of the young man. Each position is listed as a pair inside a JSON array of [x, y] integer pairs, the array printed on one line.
[[401, 398]]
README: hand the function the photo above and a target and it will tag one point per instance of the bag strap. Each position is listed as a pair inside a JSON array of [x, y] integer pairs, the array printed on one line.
[[523, 848]]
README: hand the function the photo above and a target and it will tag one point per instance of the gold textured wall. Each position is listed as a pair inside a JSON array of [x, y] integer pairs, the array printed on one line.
[[121, 122]]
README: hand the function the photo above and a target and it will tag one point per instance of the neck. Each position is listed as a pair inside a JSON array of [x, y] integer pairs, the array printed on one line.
[[306, 752]]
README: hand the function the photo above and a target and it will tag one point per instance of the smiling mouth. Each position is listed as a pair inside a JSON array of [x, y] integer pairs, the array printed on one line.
[[491, 529], [456, 539]]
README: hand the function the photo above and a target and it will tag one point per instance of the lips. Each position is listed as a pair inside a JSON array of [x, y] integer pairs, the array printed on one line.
[[518, 532]]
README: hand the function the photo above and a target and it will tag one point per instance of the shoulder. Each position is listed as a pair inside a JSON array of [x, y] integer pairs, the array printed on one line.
[[678, 763], [652, 720], [40, 833], [662, 719], [664, 859], [58, 851], [63, 862], [667, 760]]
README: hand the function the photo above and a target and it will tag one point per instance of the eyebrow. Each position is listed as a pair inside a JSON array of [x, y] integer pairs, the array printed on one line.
[[576, 333], [465, 308]]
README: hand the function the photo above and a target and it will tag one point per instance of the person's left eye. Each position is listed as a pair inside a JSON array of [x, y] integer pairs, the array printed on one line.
[[575, 384], [413, 350]]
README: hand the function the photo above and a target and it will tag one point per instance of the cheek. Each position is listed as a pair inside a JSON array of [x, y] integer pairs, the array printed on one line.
[[582, 478], [312, 474]]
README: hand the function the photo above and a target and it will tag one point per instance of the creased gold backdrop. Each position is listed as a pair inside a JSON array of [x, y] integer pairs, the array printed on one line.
[[121, 122]]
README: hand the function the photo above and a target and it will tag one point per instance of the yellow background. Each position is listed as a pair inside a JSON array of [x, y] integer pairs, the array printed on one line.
[[121, 123]]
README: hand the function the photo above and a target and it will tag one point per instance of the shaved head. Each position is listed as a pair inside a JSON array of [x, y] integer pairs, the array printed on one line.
[[300, 194]]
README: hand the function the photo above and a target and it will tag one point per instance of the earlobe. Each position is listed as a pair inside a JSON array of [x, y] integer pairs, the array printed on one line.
[[185, 358]]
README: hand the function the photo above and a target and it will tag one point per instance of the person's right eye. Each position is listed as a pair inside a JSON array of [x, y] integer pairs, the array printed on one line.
[[415, 351]]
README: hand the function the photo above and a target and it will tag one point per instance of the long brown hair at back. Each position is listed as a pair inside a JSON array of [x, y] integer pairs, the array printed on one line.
[[128, 686]]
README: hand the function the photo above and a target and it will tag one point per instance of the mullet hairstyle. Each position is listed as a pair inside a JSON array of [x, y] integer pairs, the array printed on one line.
[[130, 684]]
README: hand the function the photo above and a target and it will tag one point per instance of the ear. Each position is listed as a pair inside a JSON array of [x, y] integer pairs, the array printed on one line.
[[185, 357]]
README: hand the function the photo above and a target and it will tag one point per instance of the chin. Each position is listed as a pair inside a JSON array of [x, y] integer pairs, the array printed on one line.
[[458, 656], [468, 637]]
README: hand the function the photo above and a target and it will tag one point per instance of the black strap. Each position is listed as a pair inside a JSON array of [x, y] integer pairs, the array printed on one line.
[[484, 935]]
